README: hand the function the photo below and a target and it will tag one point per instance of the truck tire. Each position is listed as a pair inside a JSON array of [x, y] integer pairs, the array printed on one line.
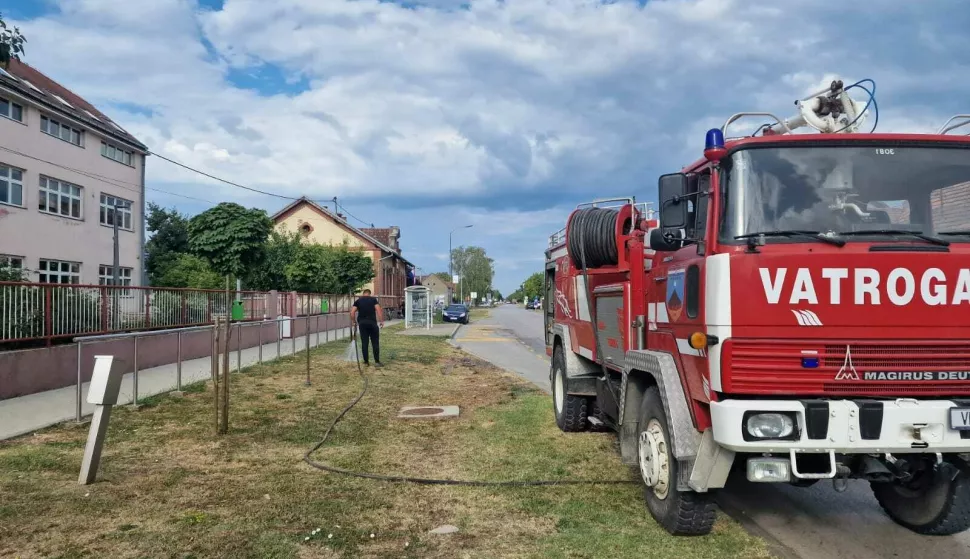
[[570, 410], [681, 513], [931, 505]]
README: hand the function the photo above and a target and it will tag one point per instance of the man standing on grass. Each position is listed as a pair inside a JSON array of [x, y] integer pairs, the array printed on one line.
[[368, 315]]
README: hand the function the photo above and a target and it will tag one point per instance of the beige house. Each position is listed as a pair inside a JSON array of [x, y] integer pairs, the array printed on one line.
[[319, 225], [67, 172], [441, 290]]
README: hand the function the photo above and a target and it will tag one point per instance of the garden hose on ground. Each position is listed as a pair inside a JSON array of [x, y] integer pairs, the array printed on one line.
[[425, 481]]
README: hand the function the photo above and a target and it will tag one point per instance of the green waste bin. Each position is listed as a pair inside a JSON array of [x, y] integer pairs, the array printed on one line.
[[324, 306], [237, 310]]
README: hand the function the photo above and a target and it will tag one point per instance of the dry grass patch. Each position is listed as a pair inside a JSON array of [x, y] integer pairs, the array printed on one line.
[[170, 488]]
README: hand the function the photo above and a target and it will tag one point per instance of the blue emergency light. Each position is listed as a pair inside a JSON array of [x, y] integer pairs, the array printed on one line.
[[810, 362], [714, 149]]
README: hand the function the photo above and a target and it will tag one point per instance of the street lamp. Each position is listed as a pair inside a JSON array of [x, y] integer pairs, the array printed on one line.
[[451, 258]]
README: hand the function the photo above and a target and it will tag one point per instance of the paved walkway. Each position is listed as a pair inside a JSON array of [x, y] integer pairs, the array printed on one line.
[[511, 339], [36, 411]]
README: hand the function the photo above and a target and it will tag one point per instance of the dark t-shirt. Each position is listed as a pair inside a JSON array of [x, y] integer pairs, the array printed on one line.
[[366, 309]]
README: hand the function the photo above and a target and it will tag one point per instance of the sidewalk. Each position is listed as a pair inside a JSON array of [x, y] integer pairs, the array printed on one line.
[[36, 411]]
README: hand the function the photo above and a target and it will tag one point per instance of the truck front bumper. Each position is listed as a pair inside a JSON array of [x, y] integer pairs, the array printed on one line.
[[844, 426]]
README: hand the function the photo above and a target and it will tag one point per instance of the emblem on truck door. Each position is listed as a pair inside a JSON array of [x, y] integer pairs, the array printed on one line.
[[847, 372], [675, 294]]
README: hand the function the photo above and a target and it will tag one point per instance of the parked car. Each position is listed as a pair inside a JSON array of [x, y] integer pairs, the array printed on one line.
[[455, 313]]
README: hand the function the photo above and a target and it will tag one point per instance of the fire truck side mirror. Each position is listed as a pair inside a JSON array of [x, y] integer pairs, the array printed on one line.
[[673, 203], [668, 241]]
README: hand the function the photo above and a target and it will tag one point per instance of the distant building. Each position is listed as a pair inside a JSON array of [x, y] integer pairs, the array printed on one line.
[[319, 225], [441, 290], [65, 167]]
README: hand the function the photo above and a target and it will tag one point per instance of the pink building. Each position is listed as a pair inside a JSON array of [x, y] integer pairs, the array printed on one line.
[[67, 171]]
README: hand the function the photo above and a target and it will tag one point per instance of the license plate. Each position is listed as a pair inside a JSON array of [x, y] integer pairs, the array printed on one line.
[[960, 419]]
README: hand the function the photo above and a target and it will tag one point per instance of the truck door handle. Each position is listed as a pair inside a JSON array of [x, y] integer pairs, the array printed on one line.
[[659, 279]]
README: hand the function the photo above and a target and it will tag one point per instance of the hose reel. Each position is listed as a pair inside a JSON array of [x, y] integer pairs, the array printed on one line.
[[596, 228]]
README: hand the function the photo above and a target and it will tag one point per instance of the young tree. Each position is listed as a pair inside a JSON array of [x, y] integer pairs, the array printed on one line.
[[327, 269], [170, 240], [311, 269], [188, 270], [230, 237], [11, 43], [352, 270]]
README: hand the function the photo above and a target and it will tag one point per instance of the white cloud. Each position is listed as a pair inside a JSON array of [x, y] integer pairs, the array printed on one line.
[[522, 104]]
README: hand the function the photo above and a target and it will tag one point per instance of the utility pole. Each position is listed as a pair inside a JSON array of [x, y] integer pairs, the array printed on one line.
[[116, 262]]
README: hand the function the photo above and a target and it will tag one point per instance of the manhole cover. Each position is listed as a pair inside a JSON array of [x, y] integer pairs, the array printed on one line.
[[424, 411], [415, 412]]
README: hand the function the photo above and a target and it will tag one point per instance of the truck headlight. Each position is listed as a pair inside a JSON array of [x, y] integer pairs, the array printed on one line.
[[771, 425]]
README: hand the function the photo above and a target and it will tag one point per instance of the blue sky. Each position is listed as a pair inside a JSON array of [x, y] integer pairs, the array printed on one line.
[[503, 114]]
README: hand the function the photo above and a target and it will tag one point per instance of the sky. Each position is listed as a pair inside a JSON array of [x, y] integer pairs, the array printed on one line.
[[432, 115]]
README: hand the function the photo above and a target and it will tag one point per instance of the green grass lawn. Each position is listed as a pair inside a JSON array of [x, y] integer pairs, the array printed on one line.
[[169, 487]]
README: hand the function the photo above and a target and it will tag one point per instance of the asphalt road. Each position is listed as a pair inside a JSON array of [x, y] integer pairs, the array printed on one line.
[[807, 523]]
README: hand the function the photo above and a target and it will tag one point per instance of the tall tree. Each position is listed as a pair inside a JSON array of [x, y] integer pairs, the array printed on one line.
[[475, 270], [11, 43], [230, 237], [532, 287], [169, 240]]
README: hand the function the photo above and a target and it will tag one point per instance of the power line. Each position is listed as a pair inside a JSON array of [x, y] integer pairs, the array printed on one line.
[[350, 214], [203, 173], [110, 180], [137, 187]]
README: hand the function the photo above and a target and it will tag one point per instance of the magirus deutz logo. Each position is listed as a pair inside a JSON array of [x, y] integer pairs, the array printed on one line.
[[848, 372]]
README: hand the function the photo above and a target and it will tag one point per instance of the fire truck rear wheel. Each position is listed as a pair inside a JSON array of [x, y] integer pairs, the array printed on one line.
[[682, 513], [571, 411], [930, 505]]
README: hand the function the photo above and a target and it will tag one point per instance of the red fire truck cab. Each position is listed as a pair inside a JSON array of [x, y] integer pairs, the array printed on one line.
[[800, 311]]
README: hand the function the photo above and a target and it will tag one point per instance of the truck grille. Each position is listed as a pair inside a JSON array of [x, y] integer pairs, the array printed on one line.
[[775, 367]]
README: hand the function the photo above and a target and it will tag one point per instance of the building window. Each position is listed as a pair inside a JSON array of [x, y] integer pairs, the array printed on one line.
[[60, 198], [109, 211], [62, 131], [306, 229], [11, 186], [11, 110], [16, 262], [58, 271], [106, 276], [120, 155]]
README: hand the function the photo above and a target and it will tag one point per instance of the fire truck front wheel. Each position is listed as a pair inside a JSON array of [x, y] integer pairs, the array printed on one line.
[[930, 503], [682, 513], [571, 411]]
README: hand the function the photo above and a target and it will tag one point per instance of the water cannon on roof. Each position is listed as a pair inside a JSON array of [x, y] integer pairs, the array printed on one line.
[[829, 111]]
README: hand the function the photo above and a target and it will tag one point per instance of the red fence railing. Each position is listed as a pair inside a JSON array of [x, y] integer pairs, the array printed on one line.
[[38, 311]]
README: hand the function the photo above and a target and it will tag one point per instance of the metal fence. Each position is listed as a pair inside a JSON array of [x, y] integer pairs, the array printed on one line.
[[323, 331], [37, 311]]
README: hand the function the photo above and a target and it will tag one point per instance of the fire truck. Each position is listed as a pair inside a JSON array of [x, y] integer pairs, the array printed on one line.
[[795, 309]]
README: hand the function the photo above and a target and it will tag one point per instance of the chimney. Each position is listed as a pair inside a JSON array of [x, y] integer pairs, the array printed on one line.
[[341, 216], [394, 236]]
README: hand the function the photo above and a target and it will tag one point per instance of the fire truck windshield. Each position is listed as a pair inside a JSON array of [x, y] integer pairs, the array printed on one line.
[[848, 189]]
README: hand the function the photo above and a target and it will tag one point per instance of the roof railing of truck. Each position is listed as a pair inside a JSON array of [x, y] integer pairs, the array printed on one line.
[[645, 208], [948, 127]]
